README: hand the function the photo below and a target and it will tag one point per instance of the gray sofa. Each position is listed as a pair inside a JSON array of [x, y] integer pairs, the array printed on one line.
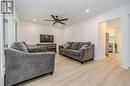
[[80, 51], [21, 65]]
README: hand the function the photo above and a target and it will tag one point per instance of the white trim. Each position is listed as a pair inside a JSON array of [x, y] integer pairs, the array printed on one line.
[[129, 31], [1, 52], [1, 81]]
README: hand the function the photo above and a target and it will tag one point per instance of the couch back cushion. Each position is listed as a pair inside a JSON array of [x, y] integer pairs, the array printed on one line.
[[75, 45], [37, 49], [82, 44], [19, 46]]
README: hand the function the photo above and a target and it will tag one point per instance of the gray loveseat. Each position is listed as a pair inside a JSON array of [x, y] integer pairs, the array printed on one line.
[[80, 51], [22, 65]]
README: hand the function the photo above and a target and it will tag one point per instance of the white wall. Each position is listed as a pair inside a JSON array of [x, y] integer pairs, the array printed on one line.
[[129, 37], [1, 51], [129, 9], [10, 31], [88, 31], [30, 32]]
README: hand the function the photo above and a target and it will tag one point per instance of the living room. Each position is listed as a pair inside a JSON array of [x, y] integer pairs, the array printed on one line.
[[51, 27]]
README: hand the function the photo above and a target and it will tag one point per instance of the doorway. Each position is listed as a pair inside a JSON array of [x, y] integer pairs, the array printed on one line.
[[110, 36], [113, 40]]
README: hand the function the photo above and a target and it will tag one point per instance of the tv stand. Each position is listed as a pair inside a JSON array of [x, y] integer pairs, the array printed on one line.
[[50, 46]]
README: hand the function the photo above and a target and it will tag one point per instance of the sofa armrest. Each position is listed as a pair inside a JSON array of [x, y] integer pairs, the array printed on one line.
[[60, 49], [87, 52], [22, 66]]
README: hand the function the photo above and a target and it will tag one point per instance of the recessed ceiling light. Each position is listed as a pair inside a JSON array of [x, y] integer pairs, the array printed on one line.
[[34, 20], [88, 11]]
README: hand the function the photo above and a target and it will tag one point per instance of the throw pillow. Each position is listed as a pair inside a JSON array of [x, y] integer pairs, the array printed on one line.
[[19, 46], [70, 44], [83, 47], [66, 45]]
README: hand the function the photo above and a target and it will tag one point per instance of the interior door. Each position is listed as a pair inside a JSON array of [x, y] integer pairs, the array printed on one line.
[[107, 44]]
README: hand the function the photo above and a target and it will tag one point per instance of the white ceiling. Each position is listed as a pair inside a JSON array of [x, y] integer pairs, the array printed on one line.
[[74, 10]]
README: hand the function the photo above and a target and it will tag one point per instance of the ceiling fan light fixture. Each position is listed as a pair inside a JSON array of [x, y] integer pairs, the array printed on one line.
[[56, 20]]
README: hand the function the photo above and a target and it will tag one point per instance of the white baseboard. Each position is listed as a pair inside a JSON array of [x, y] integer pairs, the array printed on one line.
[[100, 58], [126, 67]]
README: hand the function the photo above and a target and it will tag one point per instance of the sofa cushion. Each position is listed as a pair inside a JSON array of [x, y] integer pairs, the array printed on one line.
[[83, 43], [75, 45], [75, 52], [19, 46]]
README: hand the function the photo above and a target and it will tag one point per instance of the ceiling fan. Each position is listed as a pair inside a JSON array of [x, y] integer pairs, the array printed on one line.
[[57, 20]]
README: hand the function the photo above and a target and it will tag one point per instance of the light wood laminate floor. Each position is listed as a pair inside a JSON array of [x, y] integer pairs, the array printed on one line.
[[106, 72]]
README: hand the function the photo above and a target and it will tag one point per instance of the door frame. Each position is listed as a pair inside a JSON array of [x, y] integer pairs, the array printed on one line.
[[1, 51], [101, 42]]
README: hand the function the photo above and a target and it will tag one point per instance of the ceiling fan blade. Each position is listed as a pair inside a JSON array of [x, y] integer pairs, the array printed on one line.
[[48, 20], [53, 17], [54, 23], [62, 23], [63, 19]]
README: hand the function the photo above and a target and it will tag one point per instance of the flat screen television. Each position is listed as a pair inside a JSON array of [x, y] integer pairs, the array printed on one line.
[[46, 38]]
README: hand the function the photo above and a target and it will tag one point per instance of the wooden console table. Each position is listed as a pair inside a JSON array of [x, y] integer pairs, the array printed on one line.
[[50, 46]]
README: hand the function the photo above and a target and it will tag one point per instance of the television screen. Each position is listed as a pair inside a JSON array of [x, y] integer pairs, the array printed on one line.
[[46, 38]]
